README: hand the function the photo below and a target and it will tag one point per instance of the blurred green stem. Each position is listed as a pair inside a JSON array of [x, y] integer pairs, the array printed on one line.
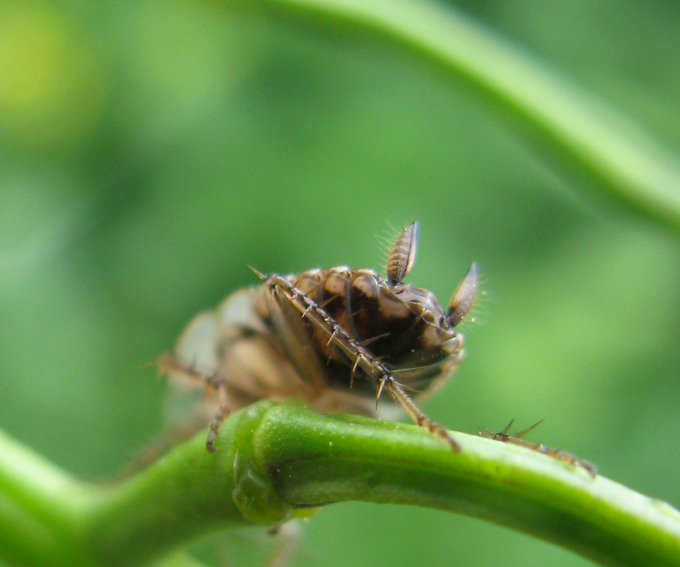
[[274, 459], [585, 138], [40, 510]]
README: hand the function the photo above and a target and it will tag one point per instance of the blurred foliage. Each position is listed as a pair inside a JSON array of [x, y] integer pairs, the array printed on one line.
[[150, 149]]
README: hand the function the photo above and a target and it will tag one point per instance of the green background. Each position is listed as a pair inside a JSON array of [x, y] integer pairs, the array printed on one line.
[[149, 150]]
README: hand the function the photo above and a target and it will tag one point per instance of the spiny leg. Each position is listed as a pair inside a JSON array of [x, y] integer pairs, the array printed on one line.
[[558, 454], [505, 437], [399, 395], [356, 354]]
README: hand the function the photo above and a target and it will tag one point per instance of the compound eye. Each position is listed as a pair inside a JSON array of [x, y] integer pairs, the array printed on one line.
[[403, 253], [463, 298]]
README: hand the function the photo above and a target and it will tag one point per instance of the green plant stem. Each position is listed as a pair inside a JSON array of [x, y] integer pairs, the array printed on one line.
[[276, 459], [40, 510], [337, 458], [184, 495], [581, 136], [312, 460]]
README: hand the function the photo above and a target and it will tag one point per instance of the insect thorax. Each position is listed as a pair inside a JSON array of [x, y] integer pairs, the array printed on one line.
[[400, 328]]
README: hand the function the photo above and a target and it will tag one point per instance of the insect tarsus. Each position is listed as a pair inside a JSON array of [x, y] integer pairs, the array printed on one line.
[[517, 439]]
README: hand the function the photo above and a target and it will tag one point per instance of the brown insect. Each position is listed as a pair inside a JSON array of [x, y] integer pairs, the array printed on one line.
[[335, 338], [517, 439]]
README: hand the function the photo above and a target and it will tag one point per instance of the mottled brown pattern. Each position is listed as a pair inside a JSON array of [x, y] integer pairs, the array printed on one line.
[[336, 338]]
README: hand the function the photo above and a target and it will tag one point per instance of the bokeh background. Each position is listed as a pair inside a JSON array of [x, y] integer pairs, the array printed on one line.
[[150, 149]]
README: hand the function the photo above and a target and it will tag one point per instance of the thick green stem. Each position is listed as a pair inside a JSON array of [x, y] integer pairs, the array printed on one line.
[[275, 458], [184, 495], [40, 510], [337, 458], [271, 454], [586, 138]]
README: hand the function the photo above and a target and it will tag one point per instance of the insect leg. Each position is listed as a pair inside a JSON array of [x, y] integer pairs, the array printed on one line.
[[219, 418], [400, 396], [515, 438], [558, 454], [172, 365], [356, 354]]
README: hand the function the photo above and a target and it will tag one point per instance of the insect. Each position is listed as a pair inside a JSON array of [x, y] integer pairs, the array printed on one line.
[[336, 338], [517, 439]]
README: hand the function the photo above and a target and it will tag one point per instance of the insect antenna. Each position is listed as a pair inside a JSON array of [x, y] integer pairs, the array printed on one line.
[[403, 254], [464, 296]]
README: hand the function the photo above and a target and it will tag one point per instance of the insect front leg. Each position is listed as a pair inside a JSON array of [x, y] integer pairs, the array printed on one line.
[[399, 395], [295, 307], [558, 454]]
